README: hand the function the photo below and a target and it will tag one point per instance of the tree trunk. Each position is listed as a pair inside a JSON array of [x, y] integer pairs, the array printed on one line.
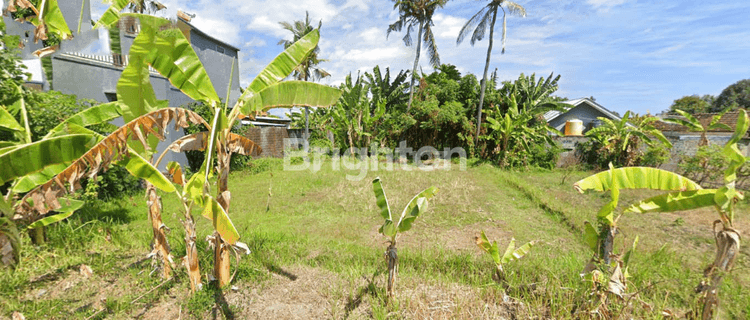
[[351, 144], [221, 249], [191, 252], [727, 247], [160, 247], [484, 80], [414, 70], [391, 256], [307, 129]]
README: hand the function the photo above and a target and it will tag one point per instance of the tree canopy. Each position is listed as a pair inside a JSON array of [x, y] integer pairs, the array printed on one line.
[[692, 104], [734, 96]]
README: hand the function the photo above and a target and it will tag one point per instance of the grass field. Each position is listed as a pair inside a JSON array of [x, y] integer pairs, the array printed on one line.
[[316, 253]]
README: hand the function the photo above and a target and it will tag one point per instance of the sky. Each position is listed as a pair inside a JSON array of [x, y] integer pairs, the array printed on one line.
[[627, 54]]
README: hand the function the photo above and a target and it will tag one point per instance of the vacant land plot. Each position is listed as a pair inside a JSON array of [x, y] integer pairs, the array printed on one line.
[[316, 253]]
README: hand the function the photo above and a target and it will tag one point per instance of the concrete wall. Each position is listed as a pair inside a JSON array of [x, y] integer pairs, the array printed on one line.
[[685, 144], [218, 65], [25, 31], [71, 10], [583, 112]]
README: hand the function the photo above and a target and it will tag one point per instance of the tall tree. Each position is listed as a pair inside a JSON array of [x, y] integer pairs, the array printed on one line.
[[417, 13], [488, 15], [732, 97], [690, 104], [308, 68]]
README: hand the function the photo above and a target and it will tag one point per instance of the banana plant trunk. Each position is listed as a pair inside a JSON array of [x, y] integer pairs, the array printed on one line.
[[391, 257], [727, 247], [221, 247], [484, 80], [191, 252], [37, 235], [160, 247], [608, 242], [414, 70]]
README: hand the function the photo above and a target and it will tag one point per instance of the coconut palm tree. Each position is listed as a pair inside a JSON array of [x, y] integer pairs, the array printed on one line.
[[488, 15], [417, 13], [309, 66]]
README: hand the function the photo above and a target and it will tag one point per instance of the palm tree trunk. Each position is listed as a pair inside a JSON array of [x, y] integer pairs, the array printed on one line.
[[414, 70], [484, 79], [160, 247], [221, 248]]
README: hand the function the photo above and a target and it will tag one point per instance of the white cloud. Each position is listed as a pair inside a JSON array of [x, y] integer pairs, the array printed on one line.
[[218, 28], [447, 26], [605, 5], [255, 42]]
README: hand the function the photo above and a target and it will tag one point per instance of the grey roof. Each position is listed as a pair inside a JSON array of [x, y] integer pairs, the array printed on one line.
[[551, 115], [194, 28]]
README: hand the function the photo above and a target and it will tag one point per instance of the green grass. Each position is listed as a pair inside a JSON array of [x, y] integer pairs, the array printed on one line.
[[318, 225]]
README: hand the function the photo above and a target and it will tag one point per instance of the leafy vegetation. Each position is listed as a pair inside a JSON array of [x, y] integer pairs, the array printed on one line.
[[59, 145], [724, 201], [618, 142], [391, 227]]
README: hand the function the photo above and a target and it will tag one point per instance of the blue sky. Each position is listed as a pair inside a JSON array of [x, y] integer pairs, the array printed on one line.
[[629, 55]]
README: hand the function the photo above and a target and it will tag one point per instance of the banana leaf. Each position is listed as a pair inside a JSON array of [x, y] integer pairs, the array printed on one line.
[[284, 63], [174, 57], [35, 157], [675, 201], [636, 178], [416, 206], [491, 248], [221, 222], [291, 93], [112, 15], [95, 115], [69, 206]]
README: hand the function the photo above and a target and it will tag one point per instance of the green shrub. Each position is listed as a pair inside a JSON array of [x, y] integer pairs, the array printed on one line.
[[655, 156], [195, 158]]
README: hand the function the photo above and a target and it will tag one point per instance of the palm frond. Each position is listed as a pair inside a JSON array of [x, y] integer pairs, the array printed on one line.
[[480, 30], [471, 24], [431, 46], [515, 8]]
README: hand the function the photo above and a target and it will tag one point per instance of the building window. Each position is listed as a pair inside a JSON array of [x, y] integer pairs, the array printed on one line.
[[220, 49], [111, 96]]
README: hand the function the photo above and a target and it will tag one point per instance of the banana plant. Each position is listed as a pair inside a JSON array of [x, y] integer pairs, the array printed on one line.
[[190, 190], [601, 238], [723, 200], [170, 53], [613, 180], [511, 253], [115, 149], [694, 124], [391, 227], [31, 163]]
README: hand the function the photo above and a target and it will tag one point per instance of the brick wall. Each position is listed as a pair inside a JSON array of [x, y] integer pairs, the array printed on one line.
[[271, 139]]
